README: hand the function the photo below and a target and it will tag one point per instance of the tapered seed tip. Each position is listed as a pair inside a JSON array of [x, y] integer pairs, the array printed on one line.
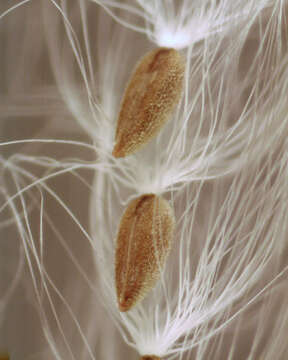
[[118, 152], [123, 307], [124, 303]]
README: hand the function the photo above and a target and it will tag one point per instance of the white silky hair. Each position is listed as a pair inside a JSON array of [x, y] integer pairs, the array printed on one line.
[[221, 161]]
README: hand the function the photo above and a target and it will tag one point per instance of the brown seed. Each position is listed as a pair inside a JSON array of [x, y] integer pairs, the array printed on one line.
[[151, 95], [150, 357], [144, 240], [4, 356]]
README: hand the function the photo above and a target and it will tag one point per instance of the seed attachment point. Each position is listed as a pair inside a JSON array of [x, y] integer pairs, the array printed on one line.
[[151, 95]]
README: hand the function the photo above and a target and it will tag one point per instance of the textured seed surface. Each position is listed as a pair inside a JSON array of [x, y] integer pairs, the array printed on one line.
[[151, 95], [150, 357], [143, 243]]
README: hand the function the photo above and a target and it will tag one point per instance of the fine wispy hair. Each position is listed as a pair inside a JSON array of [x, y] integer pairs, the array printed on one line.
[[220, 162]]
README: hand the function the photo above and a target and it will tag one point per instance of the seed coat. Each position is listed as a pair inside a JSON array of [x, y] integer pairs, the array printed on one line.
[[150, 357], [144, 241], [151, 95]]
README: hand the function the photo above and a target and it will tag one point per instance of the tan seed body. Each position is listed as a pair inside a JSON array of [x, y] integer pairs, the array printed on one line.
[[150, 357], [151, 95], [143, 243]]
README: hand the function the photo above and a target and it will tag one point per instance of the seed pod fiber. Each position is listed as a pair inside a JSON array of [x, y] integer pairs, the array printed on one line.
[[151, 95], [143, 243]]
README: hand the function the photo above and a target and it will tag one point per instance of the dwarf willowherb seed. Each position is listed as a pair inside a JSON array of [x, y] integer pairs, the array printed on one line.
[[151, 95], [143, 243], [150, 357]]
